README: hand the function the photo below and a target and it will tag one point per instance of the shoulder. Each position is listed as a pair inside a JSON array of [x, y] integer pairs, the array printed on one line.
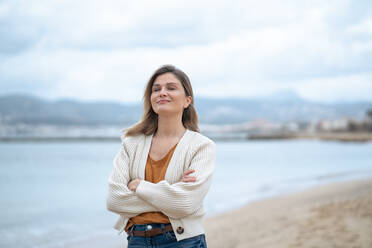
[[198, 140], [201, 148], [131, 141]]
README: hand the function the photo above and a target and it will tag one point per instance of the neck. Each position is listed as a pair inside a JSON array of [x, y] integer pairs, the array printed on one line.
[[170, 126]]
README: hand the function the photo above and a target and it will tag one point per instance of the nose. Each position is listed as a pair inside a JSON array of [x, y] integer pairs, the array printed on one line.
[[163, 92]]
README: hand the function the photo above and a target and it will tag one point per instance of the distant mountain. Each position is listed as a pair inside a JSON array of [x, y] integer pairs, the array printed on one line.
[[284, 96], [28, 109], [276, 109], [283, 107]]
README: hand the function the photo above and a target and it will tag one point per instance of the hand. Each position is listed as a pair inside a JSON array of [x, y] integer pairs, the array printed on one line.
[[132, 185], [186, 178]]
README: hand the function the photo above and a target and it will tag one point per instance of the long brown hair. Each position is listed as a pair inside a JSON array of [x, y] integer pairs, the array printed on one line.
[[149, 121]]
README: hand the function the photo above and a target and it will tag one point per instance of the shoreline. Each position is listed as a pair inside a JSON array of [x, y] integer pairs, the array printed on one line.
[[331, 215], [337, 214], [335, 136]]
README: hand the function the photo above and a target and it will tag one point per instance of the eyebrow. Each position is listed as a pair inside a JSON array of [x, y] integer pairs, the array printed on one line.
[[167, 84]]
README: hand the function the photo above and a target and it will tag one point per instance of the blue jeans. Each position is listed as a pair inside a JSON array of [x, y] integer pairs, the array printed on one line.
[[164, 240]]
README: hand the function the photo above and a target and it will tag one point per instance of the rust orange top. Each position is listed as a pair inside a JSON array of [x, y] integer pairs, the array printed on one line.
[[155, 172]]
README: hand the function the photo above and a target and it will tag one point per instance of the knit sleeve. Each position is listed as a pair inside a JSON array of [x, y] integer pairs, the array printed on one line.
[[120, 199], [181, 199]]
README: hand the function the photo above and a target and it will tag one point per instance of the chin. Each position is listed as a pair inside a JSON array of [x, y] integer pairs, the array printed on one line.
[[164, 111]]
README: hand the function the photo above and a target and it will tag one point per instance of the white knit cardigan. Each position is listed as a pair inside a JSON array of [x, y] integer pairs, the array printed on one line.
[[181, 202]]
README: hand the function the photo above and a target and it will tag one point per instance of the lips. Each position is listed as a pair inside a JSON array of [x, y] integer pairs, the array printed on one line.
[[162, 101]]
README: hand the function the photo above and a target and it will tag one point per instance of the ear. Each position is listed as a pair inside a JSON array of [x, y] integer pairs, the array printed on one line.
[[187, 101]]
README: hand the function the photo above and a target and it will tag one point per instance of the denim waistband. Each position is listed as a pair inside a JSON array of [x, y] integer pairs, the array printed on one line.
[[144, 227]]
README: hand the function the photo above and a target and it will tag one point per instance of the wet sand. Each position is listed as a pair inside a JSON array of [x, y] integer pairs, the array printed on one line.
[[336, 215]]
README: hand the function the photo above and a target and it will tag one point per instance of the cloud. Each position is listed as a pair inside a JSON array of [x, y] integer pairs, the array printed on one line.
[[95, 50], [345, 88]]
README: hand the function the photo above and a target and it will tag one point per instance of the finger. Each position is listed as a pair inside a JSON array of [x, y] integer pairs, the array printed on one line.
[[188, 179], [192, 179], [188, 172]]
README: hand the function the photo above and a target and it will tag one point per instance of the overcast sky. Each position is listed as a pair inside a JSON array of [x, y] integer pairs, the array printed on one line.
[[107, 50]]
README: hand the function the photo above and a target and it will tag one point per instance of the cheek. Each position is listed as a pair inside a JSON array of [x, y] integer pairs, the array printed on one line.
[[180, 100], [152, 98], [179, 95], [152, 102]]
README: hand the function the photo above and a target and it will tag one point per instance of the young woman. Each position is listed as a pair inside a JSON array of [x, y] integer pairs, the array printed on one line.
[[164, 168]]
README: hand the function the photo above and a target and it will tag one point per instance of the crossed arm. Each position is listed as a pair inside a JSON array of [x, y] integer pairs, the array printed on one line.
[[131, 197], [186, 178]]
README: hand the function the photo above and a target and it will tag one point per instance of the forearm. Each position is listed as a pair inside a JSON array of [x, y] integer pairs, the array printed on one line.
[[129, 206], [124, 201], [182, 198], [176, 201], [119, 198]]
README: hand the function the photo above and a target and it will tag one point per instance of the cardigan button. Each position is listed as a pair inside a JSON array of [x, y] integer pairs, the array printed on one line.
[[180, 230]]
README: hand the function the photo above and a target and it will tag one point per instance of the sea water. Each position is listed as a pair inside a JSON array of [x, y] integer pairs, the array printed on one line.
[[53, 194]]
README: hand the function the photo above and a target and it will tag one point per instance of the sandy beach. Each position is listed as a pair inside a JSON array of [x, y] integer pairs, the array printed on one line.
[[336, 215]]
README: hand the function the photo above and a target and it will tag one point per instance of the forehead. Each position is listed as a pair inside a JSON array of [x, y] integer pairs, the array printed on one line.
[[166, 78]]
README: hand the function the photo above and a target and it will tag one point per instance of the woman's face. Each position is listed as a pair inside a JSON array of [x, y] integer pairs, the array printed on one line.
[[168, 95]]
